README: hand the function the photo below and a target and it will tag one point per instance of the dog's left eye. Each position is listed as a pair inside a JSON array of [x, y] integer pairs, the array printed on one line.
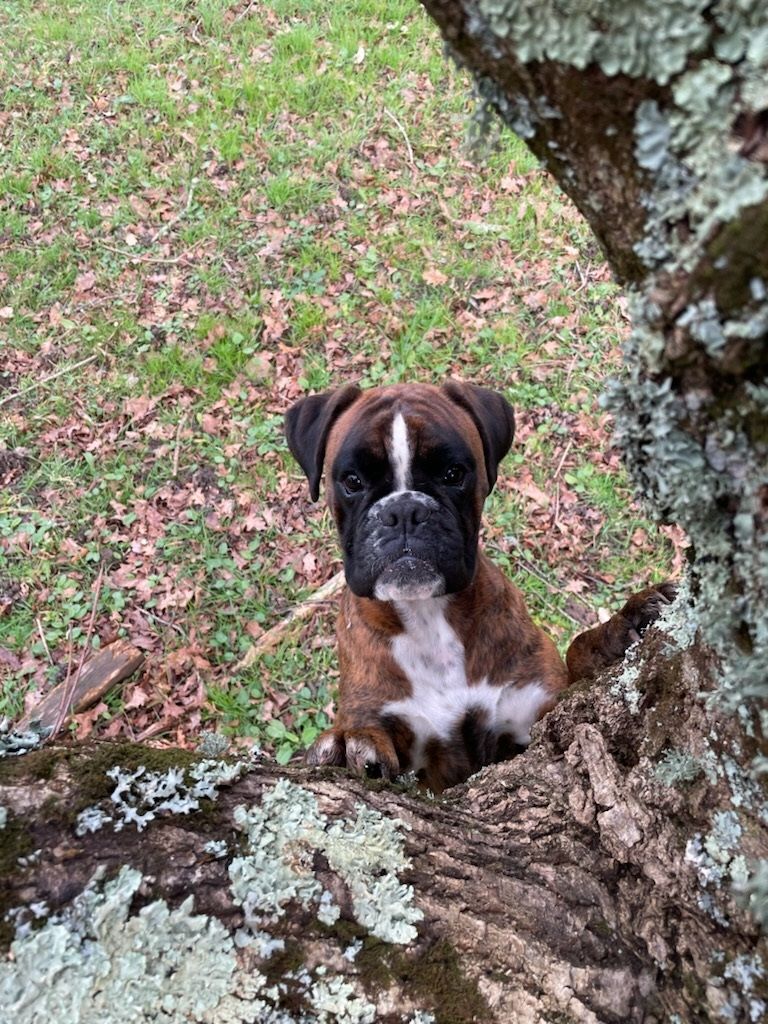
[[352, 483], [454, 476]]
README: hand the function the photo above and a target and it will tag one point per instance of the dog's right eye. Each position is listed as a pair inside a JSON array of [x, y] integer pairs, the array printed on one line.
[[351, 483]]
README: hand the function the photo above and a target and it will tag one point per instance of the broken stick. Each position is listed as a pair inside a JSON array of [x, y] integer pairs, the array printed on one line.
[[272, 636], [108, 667]]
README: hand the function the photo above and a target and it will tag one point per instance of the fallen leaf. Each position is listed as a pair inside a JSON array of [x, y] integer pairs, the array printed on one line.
[[434, 276], [85, 282], [9, 658], [535, 494]]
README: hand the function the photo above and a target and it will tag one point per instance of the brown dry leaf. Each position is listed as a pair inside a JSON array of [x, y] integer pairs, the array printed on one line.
[[309, 564], [139, 206], [139, 407], [137, 699], [87, 720], [74, 550], [530, 490], [434, 276], [575, 586], [84, 282], [9, 658], [536, 300]]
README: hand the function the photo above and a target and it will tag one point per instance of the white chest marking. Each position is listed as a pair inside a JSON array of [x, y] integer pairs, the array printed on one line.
[[400, 453], [431, 656]]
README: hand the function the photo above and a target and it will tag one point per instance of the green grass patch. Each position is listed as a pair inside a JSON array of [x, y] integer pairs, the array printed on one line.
[[207, 209]]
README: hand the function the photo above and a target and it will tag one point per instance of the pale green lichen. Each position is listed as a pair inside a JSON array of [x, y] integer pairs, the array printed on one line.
[[3, 816], [621, 38], [30, 859], [93, 963], [323, 999], [24, 919], [716, 862], [335, 1000], [711, 488], [284, 835], [624, 684], [754, 891], [14, 742], [652, 134], [739, 979], [213, 744], [697, 178], [677, 620], [140, 795], [676, 767]]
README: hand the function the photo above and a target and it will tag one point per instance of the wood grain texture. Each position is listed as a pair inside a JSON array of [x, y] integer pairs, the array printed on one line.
[[111, 665]]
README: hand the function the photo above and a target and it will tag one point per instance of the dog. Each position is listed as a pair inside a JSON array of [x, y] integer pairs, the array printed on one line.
[[442, 669]]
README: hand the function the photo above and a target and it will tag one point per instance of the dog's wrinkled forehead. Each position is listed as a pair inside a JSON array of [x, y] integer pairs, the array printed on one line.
[[393, 427]]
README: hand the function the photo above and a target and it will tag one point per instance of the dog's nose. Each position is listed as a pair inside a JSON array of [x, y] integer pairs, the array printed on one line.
[[406, 512]]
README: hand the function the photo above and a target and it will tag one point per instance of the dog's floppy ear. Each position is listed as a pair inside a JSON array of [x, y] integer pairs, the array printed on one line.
[[493, 418], [307, 425]]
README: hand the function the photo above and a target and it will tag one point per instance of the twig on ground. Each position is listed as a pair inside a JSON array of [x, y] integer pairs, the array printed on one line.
[[45, 380], [556, 478], [302, 611], [571, 368], [71, 685], [138, 257], [177, 448], [101, 673], [524, 564], [165, 228], [563, 457], [165, 622], [583, 276], [477, 227], [41, 634], [244, 13], [404, 133]]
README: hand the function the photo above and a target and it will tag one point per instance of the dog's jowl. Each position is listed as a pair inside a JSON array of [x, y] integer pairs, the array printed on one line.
[[442, 669]]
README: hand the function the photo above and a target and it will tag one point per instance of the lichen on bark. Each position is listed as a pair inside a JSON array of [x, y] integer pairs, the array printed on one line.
[[96, 958]]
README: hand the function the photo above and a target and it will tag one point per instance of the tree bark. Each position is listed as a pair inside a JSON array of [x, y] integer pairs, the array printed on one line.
[[565, 885], [618, 870]]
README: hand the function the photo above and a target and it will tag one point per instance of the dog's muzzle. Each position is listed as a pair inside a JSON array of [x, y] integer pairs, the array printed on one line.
[[401, 540]]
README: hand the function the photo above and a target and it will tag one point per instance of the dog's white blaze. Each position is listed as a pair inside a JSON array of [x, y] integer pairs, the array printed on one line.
[[400, 453], [431, 657]]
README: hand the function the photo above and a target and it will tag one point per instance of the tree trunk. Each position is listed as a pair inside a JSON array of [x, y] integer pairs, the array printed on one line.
[[578, 882], [654, 119], [617, 871]]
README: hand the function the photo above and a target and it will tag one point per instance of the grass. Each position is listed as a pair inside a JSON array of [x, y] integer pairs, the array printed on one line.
[[226, 205]]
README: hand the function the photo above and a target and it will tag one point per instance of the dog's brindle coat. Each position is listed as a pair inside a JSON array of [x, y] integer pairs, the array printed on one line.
[[442, 669]]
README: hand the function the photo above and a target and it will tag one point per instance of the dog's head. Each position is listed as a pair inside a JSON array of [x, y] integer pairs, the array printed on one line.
[[408, 469]]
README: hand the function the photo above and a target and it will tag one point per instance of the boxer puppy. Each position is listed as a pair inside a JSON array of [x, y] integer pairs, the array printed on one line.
[[442, 670]]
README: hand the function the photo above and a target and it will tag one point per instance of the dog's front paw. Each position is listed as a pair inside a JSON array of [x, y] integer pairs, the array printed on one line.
[[642, 609], [595, 650], [363, 751]]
